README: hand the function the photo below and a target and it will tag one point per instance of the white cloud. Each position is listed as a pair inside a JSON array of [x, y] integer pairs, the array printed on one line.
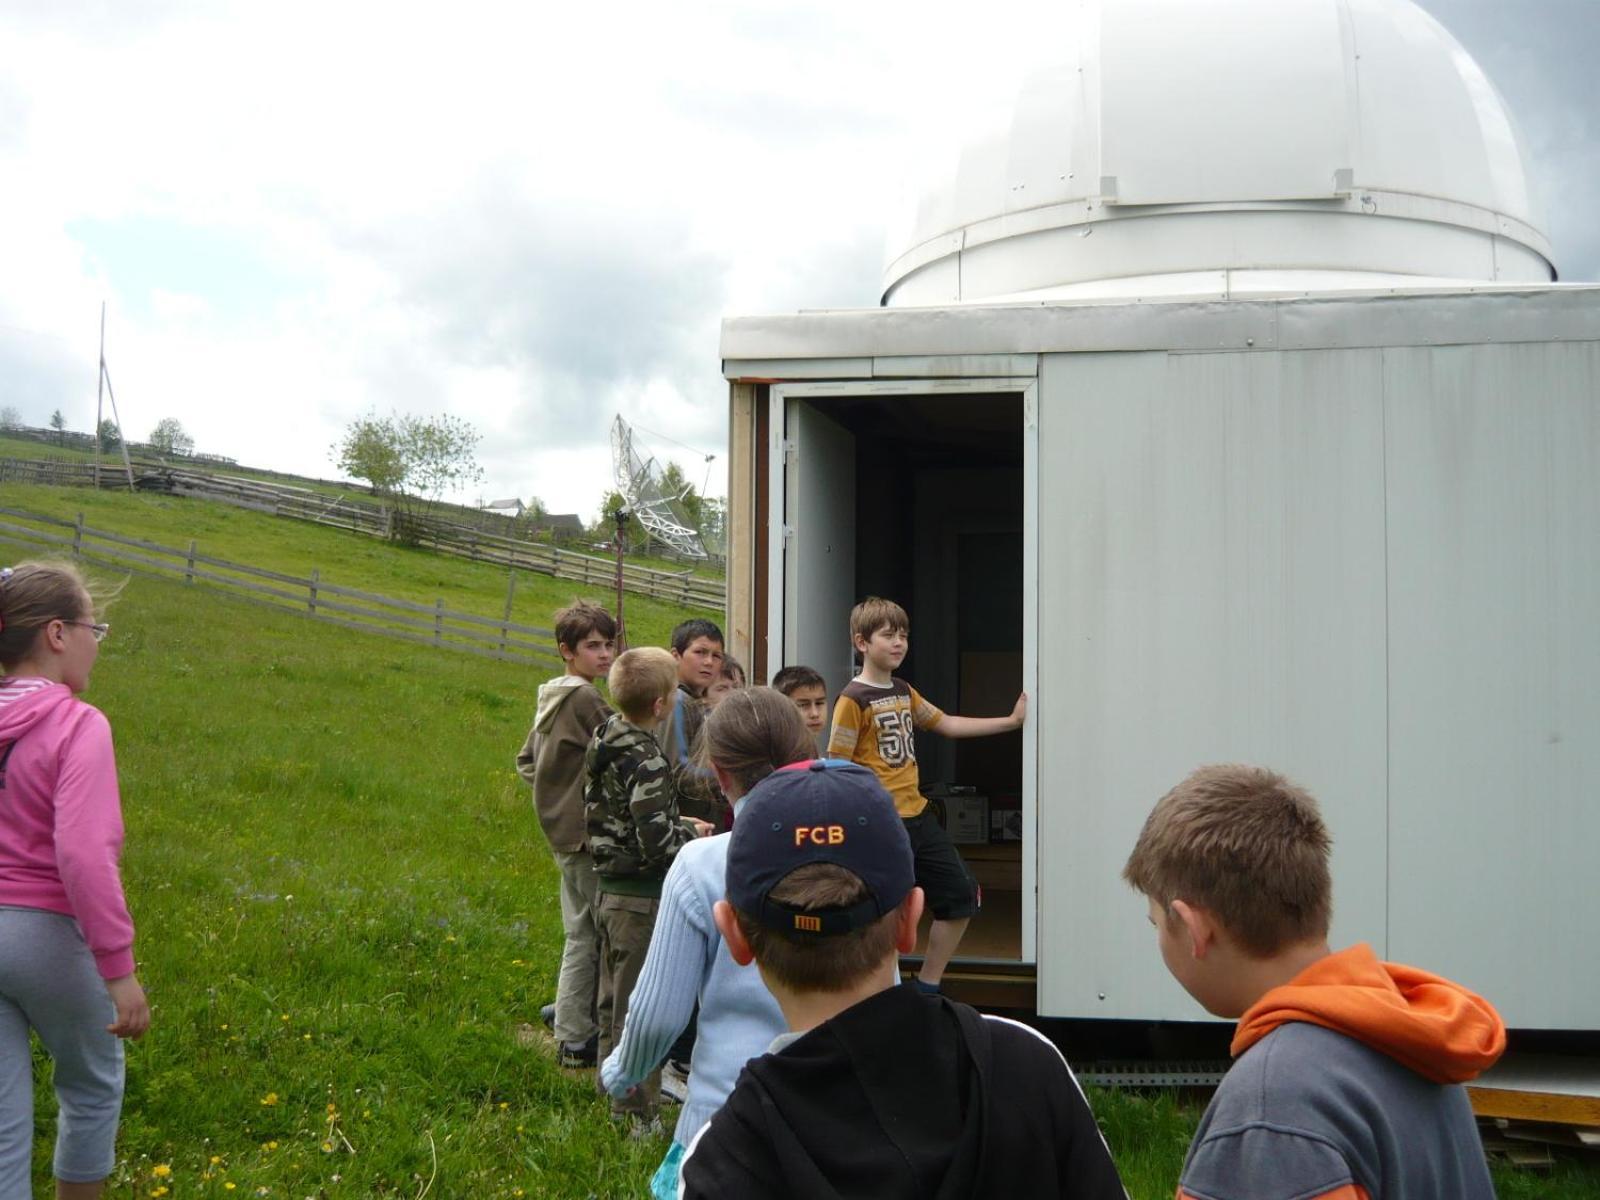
[[532, 216]]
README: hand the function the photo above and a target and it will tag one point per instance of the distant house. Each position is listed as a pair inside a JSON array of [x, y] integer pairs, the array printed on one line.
[[506, 508]]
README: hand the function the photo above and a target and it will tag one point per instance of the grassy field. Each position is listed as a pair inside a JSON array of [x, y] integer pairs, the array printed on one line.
[[345, 910], [25, 449], [348, 559]]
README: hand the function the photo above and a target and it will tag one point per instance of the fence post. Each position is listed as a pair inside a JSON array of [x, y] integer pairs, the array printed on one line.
[[438, 621], [77, 538], [316, 577], [188, 572], [511, 592]]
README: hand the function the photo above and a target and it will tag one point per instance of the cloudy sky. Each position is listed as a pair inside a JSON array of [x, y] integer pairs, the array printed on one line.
[[533, 216]]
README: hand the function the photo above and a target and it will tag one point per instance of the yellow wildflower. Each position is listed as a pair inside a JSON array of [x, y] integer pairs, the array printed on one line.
[[161, 1170], [270, 1099], [160, 1191]]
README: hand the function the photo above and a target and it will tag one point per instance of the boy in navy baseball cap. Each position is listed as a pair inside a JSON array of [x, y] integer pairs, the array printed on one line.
[[877, 1089]]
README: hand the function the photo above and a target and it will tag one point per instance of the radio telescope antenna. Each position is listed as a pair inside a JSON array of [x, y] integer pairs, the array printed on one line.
[[639, 479]]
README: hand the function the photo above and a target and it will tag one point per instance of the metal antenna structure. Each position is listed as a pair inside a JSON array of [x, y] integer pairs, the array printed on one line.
[[639, 479]]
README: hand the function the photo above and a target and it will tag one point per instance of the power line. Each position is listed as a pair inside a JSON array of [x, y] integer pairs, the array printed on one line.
[[663, 437]]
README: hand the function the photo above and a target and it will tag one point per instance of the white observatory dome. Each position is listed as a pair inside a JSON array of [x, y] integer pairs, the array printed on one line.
[[1229, 147]]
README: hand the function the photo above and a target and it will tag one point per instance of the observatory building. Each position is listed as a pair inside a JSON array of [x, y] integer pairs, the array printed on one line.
[[1240, 148], [1223, 397]]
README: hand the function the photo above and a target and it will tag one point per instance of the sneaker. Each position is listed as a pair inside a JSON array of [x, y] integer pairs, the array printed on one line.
[[547, 1014], [640, 1126], [578, 1055], [675, 1083]]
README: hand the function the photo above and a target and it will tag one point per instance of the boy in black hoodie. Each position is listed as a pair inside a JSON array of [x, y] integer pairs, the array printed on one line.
[[877, 1090]]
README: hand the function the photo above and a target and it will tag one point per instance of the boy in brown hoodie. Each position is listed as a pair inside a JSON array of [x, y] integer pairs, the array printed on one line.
[[570, 709], [1347, 1076]]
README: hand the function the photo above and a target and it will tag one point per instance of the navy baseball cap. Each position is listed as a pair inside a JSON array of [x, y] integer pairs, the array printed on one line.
[[823, 811]]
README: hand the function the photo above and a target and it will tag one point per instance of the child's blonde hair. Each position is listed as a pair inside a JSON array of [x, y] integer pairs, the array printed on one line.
[[32, 594], [1248, 846], [641, 677]]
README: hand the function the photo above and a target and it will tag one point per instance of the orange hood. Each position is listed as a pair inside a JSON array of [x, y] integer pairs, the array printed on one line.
[[1432, 1026]]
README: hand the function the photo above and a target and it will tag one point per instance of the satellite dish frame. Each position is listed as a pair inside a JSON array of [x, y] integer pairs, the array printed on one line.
[[638, 479]]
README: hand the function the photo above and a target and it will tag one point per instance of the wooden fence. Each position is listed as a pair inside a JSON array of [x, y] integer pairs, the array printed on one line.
[[362, 515], [428, 624]]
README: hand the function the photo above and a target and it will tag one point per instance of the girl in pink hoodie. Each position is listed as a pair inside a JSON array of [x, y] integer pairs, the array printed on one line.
[[66, 939]]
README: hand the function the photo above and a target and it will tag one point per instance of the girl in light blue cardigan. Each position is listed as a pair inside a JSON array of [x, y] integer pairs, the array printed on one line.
[[750, 734]]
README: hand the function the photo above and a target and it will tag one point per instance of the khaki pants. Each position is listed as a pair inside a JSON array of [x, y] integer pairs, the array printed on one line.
[[626, 923], [580, 954]]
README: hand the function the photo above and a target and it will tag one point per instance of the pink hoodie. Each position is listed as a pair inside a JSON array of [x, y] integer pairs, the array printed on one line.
[[61, 816]]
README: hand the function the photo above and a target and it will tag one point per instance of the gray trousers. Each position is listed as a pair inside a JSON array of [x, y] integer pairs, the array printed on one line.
[[580, 954], [48, 983]]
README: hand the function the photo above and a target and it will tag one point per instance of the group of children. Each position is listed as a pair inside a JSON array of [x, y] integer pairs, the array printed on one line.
[[821, 1073]]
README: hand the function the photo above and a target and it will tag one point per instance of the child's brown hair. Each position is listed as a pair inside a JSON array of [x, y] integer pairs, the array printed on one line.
[[639, 678], [791, 679], [875, 613], [579, 619], [1245, 844], [830, 964], [752, 733], [32, 594]]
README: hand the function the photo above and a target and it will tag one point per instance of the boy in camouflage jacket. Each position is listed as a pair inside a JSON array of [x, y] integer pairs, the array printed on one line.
[[634, 830]]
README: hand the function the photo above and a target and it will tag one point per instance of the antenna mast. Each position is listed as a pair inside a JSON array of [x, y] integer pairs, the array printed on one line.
[[103, 390]]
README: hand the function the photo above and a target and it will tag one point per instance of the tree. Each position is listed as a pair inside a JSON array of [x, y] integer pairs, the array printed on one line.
[[10, 418], [370, 450], [534, 512], [59, 424], [408, 460], [168, 437], [606, 527], [110, 436], [675, 486]]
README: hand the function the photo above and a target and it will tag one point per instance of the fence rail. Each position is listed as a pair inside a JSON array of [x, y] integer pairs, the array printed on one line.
[[376, 520], [390, 616]]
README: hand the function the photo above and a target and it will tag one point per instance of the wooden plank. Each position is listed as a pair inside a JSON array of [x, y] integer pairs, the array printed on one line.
[[1551, 1107], [37, 518]]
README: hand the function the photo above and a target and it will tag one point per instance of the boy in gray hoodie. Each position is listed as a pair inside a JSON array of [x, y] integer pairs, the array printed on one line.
[[570, 709], [1348, 1070]]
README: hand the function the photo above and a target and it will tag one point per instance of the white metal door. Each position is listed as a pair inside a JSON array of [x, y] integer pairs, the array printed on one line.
[[819, 543]]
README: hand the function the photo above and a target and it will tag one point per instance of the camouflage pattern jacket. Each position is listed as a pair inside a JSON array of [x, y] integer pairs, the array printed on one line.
[[631, 809]]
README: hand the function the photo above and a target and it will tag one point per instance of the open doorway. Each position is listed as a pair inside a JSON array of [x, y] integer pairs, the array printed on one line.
[[920, 496]]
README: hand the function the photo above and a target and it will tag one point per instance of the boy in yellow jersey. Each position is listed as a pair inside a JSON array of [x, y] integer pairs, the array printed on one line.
[[874, 723]]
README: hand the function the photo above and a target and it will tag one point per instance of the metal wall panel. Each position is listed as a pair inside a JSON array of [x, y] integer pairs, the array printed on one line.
[[1494, 551], [1212, 558]]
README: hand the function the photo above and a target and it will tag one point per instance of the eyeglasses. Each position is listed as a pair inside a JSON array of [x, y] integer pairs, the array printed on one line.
[[99, 631]]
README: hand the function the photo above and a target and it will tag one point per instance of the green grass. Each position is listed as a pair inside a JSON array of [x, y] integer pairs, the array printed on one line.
[[25, 449], [343, 900], [347, 559]]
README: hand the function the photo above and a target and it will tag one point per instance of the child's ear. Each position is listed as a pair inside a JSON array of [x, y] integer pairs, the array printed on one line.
[[728, 926], [724, 780], [907, 917], [1199, 929]]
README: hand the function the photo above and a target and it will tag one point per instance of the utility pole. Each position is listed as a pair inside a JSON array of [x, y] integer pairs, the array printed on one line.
[[102, 390], [622, 516]]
